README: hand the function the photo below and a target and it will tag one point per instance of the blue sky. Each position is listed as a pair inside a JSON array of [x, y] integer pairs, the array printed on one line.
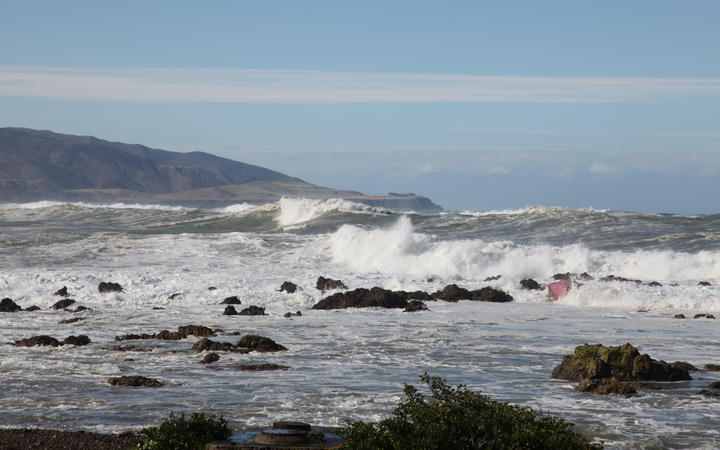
[[479, 105]]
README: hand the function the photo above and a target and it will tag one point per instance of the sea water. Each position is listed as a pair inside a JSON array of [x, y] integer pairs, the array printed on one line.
[[352, 364]]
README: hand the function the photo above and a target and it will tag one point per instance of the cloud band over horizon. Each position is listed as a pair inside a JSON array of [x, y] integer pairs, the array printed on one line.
[[291, 86]]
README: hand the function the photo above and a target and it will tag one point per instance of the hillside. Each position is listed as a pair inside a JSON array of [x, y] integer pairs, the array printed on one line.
[[43, 165]]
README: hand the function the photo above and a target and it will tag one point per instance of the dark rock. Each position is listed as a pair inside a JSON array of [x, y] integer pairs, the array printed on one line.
[[363, 298], [685, 365], [109, 287], [326, 284], [293, 314], [712, 367], [252, 310], [624, 363], [453, 293], [562, 276], [212, 288], [704, 283], [415, 305], [288, 287], [134, 337], [157, 308], [415, 295], [62, 292], [710, 393], [33, 308], [714, 385], [259, 344], [73, 320], [679, 316], [166, 335], [62, 304], [206, 344], [530, 284], [77, 340], [230, 311], [703, 316], [196, 330], [261, 367], [620, 279], [175, 295], [654, 284], [38, 340], [134, 381], [7, 305], [606, 386], [82, 308], [494, 278], [586, 276], [210, 358], [231, 301]]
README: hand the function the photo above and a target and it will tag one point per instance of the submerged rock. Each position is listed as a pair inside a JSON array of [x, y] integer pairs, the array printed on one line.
[[415, 305], [42, 340], [252, 310], [210, 358], [326, 284], [292, 314], [134, 381], [704, 283], [175, 295], [62, 304], [624, 363], [654, 284], [33, 308], [62, 292], [231, 301], [606, 386], [8, 305], [73, 320], [82, 308], [261, 367], [109, 287], [530, 284], [77, 340], [703, 316], [259, 344], [288, 287], [620, 279], [679, 316], [129, 348], [493, 278]]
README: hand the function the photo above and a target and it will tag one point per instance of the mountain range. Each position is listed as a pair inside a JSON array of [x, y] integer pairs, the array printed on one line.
[[43, 165]]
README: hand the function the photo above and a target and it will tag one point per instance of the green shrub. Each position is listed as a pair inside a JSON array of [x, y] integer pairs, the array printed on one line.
[[456, 418], [179, 433]]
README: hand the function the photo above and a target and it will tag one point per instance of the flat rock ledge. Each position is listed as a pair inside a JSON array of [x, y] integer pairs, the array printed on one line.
[[610, 370]]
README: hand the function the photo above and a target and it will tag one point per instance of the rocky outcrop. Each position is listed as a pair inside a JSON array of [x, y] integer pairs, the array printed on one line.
[[255, 343], [230, 311], [623, 363], [530, 284], [704, 283], [196, 330], [109, 287], [326, 284], [62, 304], [231, 301], [454, 293], [363, 298], [134, 381], [703, 316], [252, 310], [288, 287], [206, 344], [415, 305], [210, 358], [7, 305], [261, 367], [165, 335], [606, 386], [42, 340], [77, 340], [81, 308], [62, 292], [33, 308]]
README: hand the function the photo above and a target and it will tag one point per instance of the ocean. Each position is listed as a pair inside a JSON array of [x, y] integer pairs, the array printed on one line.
[[352, 364]]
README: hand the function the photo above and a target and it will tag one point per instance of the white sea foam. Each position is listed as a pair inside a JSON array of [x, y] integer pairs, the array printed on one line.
[[294, 211], [530, 210], [239, 207]]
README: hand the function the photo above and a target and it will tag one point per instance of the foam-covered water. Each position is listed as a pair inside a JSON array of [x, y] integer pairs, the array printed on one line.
[[351, 364]]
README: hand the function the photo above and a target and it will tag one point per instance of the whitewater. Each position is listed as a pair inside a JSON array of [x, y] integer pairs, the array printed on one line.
[[351, 364]]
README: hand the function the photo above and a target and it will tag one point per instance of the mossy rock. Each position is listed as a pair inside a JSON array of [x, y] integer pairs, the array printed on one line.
[[624, 363]]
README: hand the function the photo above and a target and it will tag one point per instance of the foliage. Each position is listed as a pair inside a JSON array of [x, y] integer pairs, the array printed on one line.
[[179, 433], [316, 436], [460, 419]]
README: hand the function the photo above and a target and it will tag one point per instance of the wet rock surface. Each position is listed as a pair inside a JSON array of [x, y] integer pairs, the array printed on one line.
[[326, 284], [33, 308], [234, 300], [109, 287], [73, 320], [8, 305], [77, 340], [415, 305], [363, 298], [210, 358], [205, 344], [712, 367], [606, 386], [259, 344], [42, 340], [454, 293], [252, 310], [684, 365], [292, 314], [260, 367], [230, 311], [62, 292], [288, 287], [623, 363], [530, 284], [134, 381], [165, 335], [703, 316], [62, 304]]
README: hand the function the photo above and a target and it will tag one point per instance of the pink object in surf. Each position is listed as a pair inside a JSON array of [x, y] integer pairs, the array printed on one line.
[[559, 289]]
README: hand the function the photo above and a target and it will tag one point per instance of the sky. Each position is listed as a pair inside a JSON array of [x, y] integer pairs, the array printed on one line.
[[479, 105]]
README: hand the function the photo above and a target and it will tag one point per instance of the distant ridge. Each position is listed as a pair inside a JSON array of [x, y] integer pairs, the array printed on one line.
[[43, 165]]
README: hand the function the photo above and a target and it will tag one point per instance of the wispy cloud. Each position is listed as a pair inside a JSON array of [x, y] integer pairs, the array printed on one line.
[[285, 86]]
